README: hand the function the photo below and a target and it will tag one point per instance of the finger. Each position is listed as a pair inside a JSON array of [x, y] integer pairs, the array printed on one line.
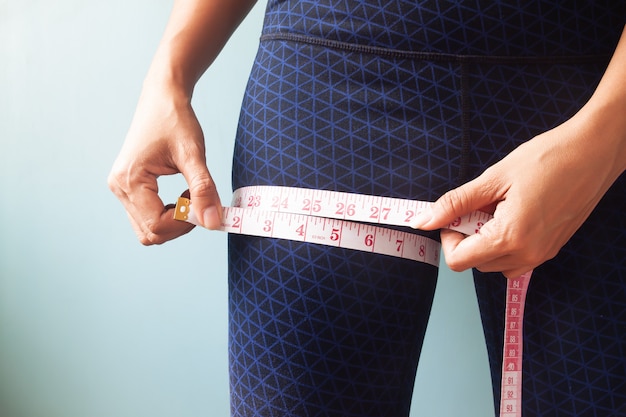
[[508, 265], [516, 273], [455, 245], [482, 192], [508, 273], [203, 194], [166, 229], [450, 241], [153, 222], [463, 252]]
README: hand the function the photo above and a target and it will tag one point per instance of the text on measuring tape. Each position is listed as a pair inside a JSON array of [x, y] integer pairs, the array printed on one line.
[[330, 218], [321, 230], [346, 206], [335, 219]]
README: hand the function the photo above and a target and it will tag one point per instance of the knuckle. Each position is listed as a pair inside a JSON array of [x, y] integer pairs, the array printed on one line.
[[490, 183], [149, 234], [453, 201], [145, 240], [517, 246], [454, 264], [513, 240], [121, 180], [114, 181], [150, 239], [510, 274], [552, 253], [202, 185]]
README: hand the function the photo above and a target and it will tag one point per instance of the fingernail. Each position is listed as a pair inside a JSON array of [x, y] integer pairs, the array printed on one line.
[[422, 218], [211, 217]]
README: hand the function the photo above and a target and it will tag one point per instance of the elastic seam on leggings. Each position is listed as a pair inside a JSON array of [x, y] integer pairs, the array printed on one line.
[[432, 56], [465, 123]]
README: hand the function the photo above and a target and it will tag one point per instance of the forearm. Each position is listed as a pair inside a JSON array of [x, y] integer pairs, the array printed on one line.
[[603, 118], [196, 32]]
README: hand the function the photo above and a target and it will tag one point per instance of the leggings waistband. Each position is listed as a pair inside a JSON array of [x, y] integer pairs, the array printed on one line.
[[433, 56]]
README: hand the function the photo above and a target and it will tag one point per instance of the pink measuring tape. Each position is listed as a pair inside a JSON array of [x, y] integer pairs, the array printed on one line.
[[350, 221]]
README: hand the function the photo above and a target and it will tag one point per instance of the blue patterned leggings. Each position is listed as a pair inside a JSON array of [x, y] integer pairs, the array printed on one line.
[[319, 331]]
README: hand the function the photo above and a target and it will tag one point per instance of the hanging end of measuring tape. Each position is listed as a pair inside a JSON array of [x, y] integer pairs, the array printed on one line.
[[183, 211]]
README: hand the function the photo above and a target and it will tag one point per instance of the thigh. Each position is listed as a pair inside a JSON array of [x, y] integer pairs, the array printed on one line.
[[316, 330]]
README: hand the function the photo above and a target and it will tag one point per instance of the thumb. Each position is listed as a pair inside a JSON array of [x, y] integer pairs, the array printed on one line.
[[477, 194], [203, 194]]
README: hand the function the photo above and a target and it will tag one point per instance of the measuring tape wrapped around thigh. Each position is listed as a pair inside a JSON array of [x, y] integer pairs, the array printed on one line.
[[349, 220]]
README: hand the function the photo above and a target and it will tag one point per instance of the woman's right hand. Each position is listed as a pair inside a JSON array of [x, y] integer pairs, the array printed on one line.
[[164, 138]]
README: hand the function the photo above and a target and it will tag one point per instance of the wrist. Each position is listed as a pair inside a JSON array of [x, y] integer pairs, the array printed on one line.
[[606, 109], [602, 126], [170, 71], [166, 82]]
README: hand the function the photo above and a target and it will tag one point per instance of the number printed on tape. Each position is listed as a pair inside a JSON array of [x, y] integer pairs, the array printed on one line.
[[350, 221]]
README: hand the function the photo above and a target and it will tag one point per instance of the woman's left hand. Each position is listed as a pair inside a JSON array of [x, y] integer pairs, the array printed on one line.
[[539, 194]]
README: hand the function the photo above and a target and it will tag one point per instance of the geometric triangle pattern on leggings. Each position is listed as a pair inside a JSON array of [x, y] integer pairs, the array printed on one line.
[[407, 99], [323, 331], [345, 328]]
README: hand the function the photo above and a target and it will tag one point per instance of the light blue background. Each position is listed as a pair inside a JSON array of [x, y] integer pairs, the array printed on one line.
[[92, 324]]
